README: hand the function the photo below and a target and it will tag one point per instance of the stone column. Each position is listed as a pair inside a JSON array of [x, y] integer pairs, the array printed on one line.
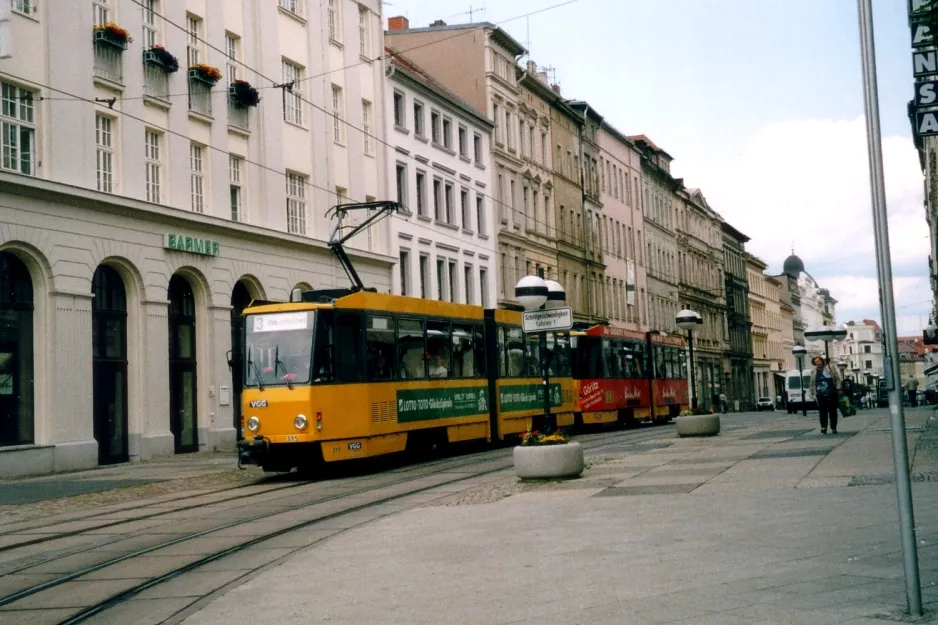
[[156, 439], [215, 430]]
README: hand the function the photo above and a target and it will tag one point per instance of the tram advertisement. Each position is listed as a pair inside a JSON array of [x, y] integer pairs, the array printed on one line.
[[440, 403], [612, 394], [517, 397], [670, 392]]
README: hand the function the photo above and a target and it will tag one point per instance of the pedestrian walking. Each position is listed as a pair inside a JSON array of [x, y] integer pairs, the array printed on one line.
[[912, 390], [723, 403], [825, 381]]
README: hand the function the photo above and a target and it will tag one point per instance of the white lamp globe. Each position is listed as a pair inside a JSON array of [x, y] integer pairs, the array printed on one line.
[[688, 320], [531, 292], [556, 296]]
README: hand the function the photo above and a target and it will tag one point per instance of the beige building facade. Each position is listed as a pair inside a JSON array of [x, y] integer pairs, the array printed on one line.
[[620, 167], [477, 62], [768, 353]]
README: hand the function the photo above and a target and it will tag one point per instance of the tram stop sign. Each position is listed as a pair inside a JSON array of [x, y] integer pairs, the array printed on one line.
[[552, 319]]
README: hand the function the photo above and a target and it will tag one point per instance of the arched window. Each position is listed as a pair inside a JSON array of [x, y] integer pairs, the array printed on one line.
[[16, 352]]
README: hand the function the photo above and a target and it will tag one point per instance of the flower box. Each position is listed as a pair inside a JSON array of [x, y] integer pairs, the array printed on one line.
[[243, 94], [159, 56], [204, 73], [112, 34]]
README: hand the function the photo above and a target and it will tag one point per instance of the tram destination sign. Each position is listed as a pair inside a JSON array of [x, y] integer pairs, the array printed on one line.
[[547, 320]]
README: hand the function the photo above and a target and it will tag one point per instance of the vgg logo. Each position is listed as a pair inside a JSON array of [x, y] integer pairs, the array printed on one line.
[[258, 403]]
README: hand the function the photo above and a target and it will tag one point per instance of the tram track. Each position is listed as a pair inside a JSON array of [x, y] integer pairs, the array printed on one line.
[[313, 512]]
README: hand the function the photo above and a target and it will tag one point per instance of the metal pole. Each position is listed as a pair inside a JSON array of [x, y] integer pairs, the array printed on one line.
[[884, 265], [693, 385], [804, 391], [545, 373]]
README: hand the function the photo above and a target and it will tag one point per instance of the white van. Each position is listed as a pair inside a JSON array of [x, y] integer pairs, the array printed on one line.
[[794, 387]]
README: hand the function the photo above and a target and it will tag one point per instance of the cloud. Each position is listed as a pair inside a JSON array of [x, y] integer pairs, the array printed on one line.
[[806, 183]]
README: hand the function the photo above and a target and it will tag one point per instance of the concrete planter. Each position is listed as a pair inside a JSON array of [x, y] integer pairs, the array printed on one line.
[[698, 425], [547, 462]]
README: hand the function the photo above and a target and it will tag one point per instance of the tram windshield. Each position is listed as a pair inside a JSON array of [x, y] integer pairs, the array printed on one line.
[[278, 348]]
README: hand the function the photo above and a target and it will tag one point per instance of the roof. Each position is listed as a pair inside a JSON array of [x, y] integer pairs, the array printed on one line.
[[419, 75], [501, 36], [651, 144], [730, 230], [588, 111]]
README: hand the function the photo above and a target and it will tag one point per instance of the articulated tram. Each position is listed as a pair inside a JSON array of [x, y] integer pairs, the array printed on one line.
[[345, 374]]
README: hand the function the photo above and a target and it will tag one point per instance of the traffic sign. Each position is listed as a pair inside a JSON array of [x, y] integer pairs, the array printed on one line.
[[547, 320]]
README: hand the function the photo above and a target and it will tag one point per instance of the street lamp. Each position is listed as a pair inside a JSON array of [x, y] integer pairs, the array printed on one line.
[[826, 334], [690, 320], [799, 351], [856, 391]]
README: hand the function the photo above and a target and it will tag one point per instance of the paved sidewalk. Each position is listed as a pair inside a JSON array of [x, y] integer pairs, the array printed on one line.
[[768, 523]]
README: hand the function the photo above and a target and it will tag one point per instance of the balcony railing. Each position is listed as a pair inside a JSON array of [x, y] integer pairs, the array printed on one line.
[[156, 82], [200, 97], [107, 61], [238, 115]]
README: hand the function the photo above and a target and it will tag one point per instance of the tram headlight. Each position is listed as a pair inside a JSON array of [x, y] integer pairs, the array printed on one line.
[[254, 423], [300, 422]]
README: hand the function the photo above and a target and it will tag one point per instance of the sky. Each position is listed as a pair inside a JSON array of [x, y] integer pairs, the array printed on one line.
[[761, 105]]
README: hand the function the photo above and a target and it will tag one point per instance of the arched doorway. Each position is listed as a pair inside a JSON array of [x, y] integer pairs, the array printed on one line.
[[109, 355], [183, 389], [16, 352], [240, 299]]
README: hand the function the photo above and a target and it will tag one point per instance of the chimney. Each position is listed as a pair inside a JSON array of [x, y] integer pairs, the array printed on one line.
[[556, 88], [437, 23], [532, 68], [542, 76], [398, 23]]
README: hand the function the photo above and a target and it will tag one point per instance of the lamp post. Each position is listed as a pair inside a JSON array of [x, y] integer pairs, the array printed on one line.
[[689, 320], [799, 351], [826, 334], [856, 382]]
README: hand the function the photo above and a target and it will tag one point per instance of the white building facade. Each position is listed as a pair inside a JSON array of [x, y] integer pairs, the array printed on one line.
[[862, 349], [439, 163], [167, 164]]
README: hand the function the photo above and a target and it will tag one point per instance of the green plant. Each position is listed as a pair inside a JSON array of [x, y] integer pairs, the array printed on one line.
[[531, 438]]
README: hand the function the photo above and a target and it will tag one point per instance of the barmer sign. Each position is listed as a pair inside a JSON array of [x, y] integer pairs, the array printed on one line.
[[194, 245]]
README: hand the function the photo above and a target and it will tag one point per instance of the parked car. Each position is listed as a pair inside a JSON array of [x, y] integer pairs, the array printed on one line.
[[765, 403]]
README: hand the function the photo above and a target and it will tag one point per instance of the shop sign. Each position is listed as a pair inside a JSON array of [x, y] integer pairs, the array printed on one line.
[[441, 403], [193, 245]]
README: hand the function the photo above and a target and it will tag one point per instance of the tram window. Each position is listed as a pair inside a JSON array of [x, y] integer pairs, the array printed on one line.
[[465, 364], [514, 352], [324, 347], [561, 357], [379, 340], [660, 355], [610, 360], [533, 355], [439, 348], [633, 361], [478, 345], [348, 334], [411, 349]]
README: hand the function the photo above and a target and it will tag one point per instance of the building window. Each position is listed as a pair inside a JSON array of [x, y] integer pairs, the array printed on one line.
[[544, 149], [367, 127], [26, 7], [364, 32], [193, 40], [235, 187], [419, 129], [452, 281], [401, 179], [293, 6], [16, 368], [196, 178], [448, 197], [399, 120], [335, 20], [467, 283], [480, 213], [447, 133], [477, 148], [150, 9], [292, 104], [440, 279], [435, 129], [104, 140], [424, 275], [438, 199], [421, 193], [464, 205], [231, 51], [508, 131], [463, 142], [405, 267], [151, 142], [484, 286], [497, 129], [867, 349], [296, 204], [868, 364], [101, 13], [338, 127]]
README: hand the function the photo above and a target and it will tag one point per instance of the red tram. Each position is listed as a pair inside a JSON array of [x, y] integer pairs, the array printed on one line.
[[626, 376]]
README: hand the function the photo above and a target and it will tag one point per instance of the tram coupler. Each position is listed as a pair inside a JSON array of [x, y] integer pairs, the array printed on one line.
[[253, 451]]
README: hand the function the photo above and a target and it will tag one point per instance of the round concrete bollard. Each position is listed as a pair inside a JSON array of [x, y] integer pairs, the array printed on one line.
[[547, 462], [698, 425]]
